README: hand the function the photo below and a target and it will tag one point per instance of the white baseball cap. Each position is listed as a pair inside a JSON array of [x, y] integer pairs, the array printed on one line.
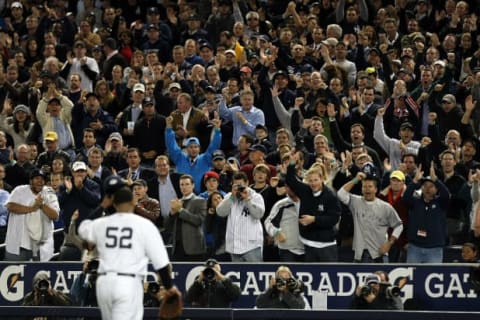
[[139, 87], [79, 165]]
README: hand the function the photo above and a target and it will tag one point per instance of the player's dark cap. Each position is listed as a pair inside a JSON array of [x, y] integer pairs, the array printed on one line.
[[112, 184]]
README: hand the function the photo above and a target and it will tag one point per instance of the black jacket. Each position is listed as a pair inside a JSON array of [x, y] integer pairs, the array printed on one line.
[[218, 294], [273, 299], [325, 207]]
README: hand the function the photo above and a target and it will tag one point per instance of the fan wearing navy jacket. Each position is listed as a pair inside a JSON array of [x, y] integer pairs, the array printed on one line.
[[319, 213]]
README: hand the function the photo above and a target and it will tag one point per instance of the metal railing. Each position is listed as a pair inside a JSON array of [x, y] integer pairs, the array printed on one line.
[[238, 314]]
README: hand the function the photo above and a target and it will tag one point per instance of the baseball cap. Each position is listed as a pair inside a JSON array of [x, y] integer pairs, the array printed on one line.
[[210, 174], [21, 107], [261, 126], [139, 87], [230, 51], [205, 45], [218, 155], [91, 94], [152, 26], [374, 50], [194, 17], [397, 174], [192, 140], [264, 37], [440, 63], [330, 42], [280, 73], [210, 89], [37, 173], [372, 278], [112, 184], [362, 74], [147, 102], [115, 136], [427, 178], [403, 70], [139, 182], [449, 98], [79, 43], [152, 10], [79, 165], [371, 70], [16, 4], [174, 85], [211, 263], [258, 147], [51, 136], [307, 68], [246, 69], [406, 125]]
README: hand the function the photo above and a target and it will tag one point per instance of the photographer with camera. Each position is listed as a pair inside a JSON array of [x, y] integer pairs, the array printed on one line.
[[83, 287], [43, 294], [285, 292], [152, 297], [212, 289], [377, 294]]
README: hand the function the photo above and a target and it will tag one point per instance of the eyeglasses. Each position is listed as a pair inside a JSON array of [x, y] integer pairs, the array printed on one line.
[[445, 102], [250, 19]]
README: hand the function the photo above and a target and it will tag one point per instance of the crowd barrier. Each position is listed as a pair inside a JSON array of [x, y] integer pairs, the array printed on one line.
[[330, 286], [11, 313]]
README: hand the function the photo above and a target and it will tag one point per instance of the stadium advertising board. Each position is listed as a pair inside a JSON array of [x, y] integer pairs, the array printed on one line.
[[434, 287]]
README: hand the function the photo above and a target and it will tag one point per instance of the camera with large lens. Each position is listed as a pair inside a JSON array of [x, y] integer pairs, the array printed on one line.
[[42, 286], [209, 273], [240, 189], [150, 297], [280, 283], [365, 291], [153, 287], [392, 291], [292, 284]]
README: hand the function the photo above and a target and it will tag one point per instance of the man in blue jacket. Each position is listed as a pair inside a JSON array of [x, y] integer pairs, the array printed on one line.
[[427, 221], [192, 162]]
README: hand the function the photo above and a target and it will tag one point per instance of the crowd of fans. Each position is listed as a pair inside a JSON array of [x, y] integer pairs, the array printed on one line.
[[248, 130]]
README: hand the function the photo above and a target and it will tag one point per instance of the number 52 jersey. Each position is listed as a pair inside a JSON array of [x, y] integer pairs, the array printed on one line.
[[125, 243]]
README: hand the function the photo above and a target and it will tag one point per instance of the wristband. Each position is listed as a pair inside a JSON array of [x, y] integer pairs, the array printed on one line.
[[355, 180], [276, 232]]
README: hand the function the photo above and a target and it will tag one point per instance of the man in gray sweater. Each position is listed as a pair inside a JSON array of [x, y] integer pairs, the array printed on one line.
[[371, 217]]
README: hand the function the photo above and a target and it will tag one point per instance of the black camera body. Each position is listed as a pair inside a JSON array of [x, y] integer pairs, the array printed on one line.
[[150, 297], [366, 290], [43, 285], [209, 273], [392, 291], [292, 284]]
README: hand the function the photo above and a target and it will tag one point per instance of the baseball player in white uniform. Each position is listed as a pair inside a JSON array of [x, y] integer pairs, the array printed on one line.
[[125, 243]]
